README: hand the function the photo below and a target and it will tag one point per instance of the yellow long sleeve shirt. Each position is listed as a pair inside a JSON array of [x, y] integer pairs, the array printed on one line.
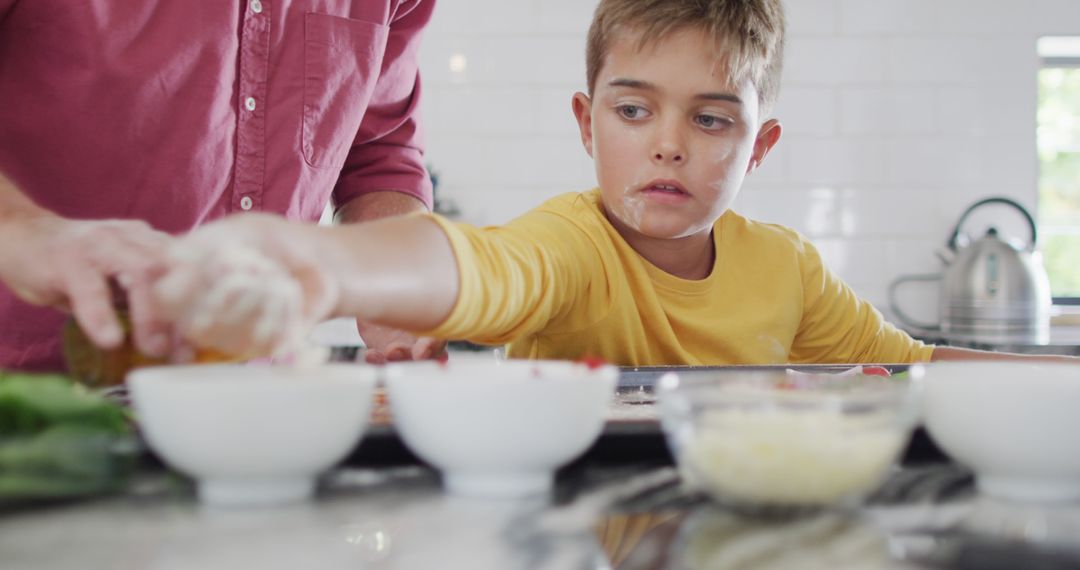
[[559, 282]]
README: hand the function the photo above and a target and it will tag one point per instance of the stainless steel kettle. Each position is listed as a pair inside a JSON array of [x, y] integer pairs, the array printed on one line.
[[991, 291]]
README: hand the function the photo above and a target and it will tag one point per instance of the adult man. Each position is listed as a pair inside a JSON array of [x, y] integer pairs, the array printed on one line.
[[122, 123]]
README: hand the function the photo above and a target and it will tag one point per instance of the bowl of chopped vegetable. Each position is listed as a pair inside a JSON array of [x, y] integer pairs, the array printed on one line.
[[255, 434], [775, 441], [499, 429]]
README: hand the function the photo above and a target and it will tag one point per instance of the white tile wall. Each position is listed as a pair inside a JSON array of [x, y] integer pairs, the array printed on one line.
[[897, 115]]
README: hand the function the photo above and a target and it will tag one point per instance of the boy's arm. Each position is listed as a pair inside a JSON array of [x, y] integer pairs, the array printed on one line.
[[252, 284], [838, 326], [384, 343], [953, 353], [399, 272]]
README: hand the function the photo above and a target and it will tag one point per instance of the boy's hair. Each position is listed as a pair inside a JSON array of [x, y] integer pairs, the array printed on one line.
[[750, 34]]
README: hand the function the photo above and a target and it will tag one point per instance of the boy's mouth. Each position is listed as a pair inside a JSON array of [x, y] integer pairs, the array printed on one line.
[[665, 187]]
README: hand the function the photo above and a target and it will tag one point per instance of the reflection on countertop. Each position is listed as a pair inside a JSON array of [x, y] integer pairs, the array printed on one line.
[[398, 518], [385, 519], [709, 538]]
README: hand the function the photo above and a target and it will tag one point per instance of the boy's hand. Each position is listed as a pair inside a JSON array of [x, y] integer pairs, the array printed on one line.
[[391, 345], [86, 267], [247, 286]]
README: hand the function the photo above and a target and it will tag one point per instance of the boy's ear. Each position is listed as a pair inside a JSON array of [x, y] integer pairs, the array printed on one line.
[[767, 136], [583, 113]]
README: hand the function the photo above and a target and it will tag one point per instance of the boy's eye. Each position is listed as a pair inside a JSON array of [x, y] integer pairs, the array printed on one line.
[[631, 111], [711, 122]]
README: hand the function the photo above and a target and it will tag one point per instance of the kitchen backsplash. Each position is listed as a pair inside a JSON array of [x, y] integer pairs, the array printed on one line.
[[897, 114]]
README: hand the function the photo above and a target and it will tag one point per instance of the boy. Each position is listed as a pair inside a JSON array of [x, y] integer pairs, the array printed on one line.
[[651, 268]]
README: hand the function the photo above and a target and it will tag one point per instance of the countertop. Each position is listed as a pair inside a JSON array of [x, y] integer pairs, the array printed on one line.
[[621, 505], [1064, 339], [385, 518], [398, 518]]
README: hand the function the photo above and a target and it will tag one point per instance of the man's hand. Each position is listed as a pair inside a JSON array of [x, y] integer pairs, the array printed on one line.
[[391, 345], [75, 265], [247, 286]]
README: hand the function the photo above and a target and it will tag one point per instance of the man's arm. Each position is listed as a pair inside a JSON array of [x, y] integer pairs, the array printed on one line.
[[14, 204], [387, 152], [375, 205], [71, 264]]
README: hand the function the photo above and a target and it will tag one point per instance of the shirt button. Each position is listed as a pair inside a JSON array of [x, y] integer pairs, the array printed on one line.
[[249, 103], [256, 6], [245, 203]]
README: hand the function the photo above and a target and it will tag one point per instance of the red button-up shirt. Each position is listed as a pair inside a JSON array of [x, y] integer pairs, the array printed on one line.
[[180, 112]]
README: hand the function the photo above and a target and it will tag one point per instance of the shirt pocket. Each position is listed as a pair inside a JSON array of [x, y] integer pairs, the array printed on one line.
[[342, 59]]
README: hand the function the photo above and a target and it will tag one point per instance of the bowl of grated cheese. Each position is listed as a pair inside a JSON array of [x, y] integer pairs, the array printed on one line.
[[774, 441]]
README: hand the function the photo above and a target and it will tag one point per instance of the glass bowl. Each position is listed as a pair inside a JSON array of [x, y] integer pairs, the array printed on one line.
[[781, 442]]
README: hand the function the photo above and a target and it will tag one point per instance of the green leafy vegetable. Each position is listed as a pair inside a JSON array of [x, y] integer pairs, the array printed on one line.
[[59, 439]]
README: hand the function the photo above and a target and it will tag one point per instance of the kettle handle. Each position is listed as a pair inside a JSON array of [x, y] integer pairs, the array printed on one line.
[[896, 306], [995, 200]]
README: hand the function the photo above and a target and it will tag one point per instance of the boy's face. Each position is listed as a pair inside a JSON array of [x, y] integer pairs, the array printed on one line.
[[671, 135]]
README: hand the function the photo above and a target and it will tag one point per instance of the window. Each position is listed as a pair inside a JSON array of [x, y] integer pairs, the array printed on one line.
[[1059, 164]]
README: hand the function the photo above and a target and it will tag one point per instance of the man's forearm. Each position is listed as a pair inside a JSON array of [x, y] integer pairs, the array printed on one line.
[[375, 205], [15, 204]]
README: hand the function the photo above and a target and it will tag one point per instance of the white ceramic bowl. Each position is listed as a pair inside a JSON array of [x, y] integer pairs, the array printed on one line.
[[252, 434], [773, 441], [498, 429], [1014, 423]]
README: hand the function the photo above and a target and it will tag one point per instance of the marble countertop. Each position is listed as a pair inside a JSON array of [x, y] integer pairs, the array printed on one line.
[[399, 518], [385, 518]]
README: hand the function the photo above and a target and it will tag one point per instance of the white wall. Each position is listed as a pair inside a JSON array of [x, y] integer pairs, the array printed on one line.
[[897, 115]]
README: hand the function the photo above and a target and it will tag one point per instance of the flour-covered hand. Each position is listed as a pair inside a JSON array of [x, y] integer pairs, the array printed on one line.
[[245, 286]]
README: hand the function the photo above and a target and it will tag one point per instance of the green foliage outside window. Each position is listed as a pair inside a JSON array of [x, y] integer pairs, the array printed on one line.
[[1059, 177]]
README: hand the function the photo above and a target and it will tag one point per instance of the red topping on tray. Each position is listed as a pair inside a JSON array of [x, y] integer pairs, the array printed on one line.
[[876, 371], [592, 362]]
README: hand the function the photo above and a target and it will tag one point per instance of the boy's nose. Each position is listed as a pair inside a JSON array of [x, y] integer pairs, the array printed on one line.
[[668, 143], [669, 152]]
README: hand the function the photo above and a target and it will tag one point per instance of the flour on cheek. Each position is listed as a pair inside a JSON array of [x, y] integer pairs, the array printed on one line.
[[632, 207]]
